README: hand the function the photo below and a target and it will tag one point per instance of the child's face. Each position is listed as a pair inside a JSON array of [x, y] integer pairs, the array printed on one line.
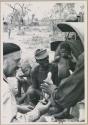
[[26, 70], [63, 52]]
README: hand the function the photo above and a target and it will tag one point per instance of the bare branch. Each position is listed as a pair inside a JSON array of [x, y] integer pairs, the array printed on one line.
[[12, 7]]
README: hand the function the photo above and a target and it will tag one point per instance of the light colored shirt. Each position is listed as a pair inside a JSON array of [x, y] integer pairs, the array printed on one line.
[[8, 103]]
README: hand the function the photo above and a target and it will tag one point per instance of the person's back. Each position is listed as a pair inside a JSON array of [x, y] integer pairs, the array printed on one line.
[[8, 100]]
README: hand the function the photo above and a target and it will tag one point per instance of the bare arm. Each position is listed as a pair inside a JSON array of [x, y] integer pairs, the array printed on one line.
[[21, 99], [24, 108], [39, 110]]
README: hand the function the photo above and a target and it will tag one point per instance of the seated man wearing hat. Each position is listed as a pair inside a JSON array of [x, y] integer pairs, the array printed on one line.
[[39, 74], [9, 110]]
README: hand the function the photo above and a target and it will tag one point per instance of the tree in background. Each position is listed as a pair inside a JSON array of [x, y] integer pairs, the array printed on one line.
[[61, 11], [19, 11]]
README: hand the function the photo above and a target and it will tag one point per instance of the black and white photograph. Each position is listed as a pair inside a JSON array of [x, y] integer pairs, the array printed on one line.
[[43, 46]]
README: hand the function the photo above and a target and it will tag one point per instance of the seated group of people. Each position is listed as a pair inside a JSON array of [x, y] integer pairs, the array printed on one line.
[[53, 86]]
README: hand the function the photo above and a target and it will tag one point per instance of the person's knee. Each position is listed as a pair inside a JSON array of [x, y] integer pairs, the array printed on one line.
[[34, 96], [31, 90]]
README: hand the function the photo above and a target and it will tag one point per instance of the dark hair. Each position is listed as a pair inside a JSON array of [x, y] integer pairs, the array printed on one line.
[[9, 48], [66, 46]]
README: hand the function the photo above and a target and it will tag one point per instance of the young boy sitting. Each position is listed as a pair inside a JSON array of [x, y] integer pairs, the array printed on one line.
[[24, 81]]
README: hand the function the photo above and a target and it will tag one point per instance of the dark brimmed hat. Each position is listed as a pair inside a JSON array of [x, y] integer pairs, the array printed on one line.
[[41, 54], [10, 48]]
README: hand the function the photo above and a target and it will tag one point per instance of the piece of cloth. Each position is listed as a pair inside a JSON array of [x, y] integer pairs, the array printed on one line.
[[13, 84], [71, 90], [28, 117], [8, 103]]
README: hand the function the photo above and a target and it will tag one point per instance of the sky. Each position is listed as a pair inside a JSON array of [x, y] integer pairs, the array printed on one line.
[[40, 9]]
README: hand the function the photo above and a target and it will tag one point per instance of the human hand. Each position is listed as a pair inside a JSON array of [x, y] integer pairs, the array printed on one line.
[[48, 88], [30, 107], [23, 109], [26, 109], [43, 108]]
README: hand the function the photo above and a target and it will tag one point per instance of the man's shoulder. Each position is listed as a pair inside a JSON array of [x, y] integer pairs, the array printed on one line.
[[35, 68], [54, 65]]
